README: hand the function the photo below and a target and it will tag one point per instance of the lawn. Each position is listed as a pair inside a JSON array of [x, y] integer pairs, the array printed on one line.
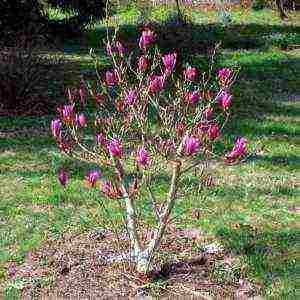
[[252, 209]]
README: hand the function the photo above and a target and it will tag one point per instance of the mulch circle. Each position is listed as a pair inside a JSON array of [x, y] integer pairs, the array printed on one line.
[[89, 266]]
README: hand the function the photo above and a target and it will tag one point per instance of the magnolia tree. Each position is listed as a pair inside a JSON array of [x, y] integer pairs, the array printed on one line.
[[152, 117]]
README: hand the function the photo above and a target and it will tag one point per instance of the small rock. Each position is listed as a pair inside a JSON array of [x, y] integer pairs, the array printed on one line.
[[142, 294], [213, 248], [192, 233], [118, 258], [12, 270]]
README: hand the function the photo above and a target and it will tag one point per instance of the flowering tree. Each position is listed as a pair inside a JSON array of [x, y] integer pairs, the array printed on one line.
[[152, 116]]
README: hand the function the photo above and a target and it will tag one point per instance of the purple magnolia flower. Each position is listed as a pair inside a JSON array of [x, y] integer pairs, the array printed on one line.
[[115, 148], [156, 83], [71, 96], [101, 139], [239, 149], [120, 48], [191, 145], [213, 131], [208, 113], [117, 48], [130, 97], [193, 97], [92, 178], [63, 176], [143, 157], [169, 61], [180, 128], [107, 187], [142, 64], [147, 38], [111, 78], [166, 147], [55, 128], [65, 145], [225, 73], [82, 94], [81, 120], [225, 100], [68, 113], [190, 73], [109, 49]]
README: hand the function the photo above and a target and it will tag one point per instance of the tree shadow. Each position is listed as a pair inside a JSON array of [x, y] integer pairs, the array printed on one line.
[[261, 80], [271, 76], [269, 252]]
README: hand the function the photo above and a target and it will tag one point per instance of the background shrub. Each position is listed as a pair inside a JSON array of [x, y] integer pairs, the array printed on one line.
[[20, 15], [24, 73]]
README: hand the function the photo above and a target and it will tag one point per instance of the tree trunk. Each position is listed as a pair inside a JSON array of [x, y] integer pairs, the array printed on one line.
[[282, 13], [145, 259], [179, 14]]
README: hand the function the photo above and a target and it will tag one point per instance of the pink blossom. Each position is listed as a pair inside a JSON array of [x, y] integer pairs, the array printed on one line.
[[213, 131], [92, 178], [65, 146], [180, 128], [202, 127], [63, 176], [56, 127], [190, 73], [193, 97], [109, 49], [143, 157], [166, 147], [208, 113], [71, 95], [225, 73], [109, 190], [239, 149], [191, 145], [147, 38], [101, 139], [81, 120], [106, 187], [115, 148], [156, 83], [117, 48], [142, 64], [82, 94], [111, 78], [68, 113], [120, 47], [169, 61], [130, 97], [99, 98], [225, 100]]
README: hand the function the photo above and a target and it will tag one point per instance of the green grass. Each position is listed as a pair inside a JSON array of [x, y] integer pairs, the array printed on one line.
[[57, 14], [249, 210]]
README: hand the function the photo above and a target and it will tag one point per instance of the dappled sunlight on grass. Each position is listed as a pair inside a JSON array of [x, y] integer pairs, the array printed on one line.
[[251, 208]]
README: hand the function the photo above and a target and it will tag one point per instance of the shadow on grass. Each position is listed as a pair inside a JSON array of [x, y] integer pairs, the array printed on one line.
[[266, 75], [269, 252], [263, 78], [191, 39], [284, 162]]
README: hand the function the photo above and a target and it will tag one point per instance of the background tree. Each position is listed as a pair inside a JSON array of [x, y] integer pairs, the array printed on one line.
[[20, 16], [83, 12], [282, 13]]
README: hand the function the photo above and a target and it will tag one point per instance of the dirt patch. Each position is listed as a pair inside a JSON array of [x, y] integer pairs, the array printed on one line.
[[89, 266]]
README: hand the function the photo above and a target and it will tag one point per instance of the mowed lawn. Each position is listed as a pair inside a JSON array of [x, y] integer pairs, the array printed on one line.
[[252, 209]]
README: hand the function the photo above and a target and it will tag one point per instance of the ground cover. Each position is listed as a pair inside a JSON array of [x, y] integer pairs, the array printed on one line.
[[251, 209]]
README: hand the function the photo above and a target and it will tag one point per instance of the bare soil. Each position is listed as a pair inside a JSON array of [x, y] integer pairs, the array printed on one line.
[[90, 266]]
